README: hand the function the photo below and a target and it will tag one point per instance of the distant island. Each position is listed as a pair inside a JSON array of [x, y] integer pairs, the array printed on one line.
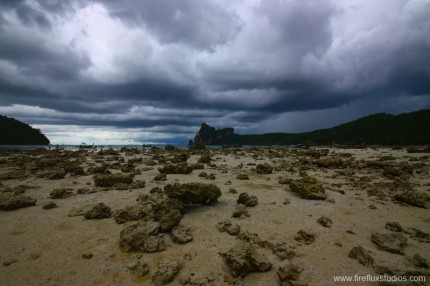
[[15, 132], [378, 129]]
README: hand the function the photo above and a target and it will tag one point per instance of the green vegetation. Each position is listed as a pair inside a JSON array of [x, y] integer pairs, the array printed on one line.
[[14, 132], [378, 129]]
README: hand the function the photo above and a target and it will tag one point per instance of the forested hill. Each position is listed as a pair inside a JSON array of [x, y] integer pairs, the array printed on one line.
[[14, 132], [378, 129]]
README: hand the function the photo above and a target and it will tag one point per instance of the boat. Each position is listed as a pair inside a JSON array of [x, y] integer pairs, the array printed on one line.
[[85, 146]]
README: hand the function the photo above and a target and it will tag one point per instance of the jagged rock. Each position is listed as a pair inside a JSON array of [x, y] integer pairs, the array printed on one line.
[[60, 194], [240, 211], [330, 162], [133, 213], [181, 234], [182, 168], [247, 200], [420, 261], [411, 198], [112, 179], [325, 221], [100, 211], [243, 259], [308, 188], [264, 169], [142, 235], [166, 272], [167, 213], [196, 193], [254, 239], [418, 235], [205, 159], [392, 242], [160, 177], [362, 255], [78, 211], [138, 268], [197, 279], [283, 251], [393, 226], [9, 203], [229, 227], [50, 205], [305, 237], [288, 272], [242, 177]]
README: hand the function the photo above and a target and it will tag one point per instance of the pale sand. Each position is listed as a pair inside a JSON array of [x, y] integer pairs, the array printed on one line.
[[46, 246]]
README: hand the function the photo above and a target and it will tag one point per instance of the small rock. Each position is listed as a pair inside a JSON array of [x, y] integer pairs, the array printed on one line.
[[283, 251], [60, 194], [142, 235], [264, 169], [420, 261], [100, 211], [166, 272], [232, 191], [138, 268], [50, 205], [287, 202], [229, 227], [111, 180], [372, 207], [9, 262], [392, 242], [242, 177], [393, 226], [247, 200], [160, 177], [325, 221], [362, 255], [8, 203], [243, 259], [308, 188], [305, 237], [240, 211], [87, 255], [181, 234], [288, 271]]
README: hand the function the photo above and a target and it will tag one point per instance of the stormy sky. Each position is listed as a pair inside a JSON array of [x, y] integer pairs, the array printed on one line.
[[132, 71]]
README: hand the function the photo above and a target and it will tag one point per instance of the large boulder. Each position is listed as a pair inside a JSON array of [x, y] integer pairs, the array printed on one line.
[[243, 258], [308, 188], [142, 235], [8, 202], [195, 193]]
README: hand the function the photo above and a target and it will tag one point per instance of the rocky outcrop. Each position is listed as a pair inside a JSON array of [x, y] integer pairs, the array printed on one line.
[[166, 272], [264, 169], [362, 255], [181, 168], [247, 200], [208, 135], [325, 221], [289, 273], [194, 193], [229, 227], [308, 188], [181, 234], [240, 211], [10, 202], [111, 180], [243, 259], [61, 193], [143, 236], [305, 237], [100, 211], [391, 242]]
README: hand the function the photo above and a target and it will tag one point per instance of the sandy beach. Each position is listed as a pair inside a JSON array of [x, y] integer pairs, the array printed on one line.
[[370, 217]]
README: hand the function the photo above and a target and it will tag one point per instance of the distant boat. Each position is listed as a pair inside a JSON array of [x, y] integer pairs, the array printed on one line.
[[85, 146]]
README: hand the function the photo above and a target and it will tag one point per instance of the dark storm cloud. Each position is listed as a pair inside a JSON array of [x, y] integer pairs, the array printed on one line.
[[201, 24], [248, 64]]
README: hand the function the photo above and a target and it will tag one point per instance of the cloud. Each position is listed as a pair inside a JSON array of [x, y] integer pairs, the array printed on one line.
[[273, 65]]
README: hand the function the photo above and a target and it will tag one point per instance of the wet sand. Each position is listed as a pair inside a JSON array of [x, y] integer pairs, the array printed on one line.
[[48, 247]]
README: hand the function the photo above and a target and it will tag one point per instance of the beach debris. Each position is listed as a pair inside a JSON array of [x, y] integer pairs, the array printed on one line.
[[325, 221], [264, 168], [243, 259], [308, 188], [181, 234], [194, 193], [181, 168], [61, 194], [99, 211], [142, 235], [240, 211], [305, 237], [391, 242], [10, 202], [362, 255], [229, 227], [110, 180], [166, 271], [247, 200]]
